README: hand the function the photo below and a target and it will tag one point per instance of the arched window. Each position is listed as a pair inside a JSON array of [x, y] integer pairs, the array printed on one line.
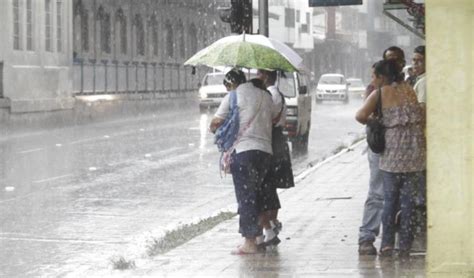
[[84, 30], [192, 40], [153, 27], [105, 30], [169, 40], [121, 34], [81, 28], [140, 35], [181, 41]]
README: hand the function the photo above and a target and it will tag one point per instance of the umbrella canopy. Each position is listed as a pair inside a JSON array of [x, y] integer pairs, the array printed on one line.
[[291, 55], [237, 51]]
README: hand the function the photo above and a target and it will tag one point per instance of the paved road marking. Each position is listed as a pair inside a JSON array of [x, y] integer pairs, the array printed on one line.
[[16, 198], [31, 150], [52, 179]]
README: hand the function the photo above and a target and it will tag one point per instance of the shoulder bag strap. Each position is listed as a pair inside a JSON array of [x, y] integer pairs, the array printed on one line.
[[378, 107], [232, 99]]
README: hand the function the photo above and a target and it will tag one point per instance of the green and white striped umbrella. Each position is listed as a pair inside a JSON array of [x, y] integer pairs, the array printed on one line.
[[240, 53]]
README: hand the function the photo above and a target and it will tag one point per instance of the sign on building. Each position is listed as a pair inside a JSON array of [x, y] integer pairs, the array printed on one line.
[[325, 3]]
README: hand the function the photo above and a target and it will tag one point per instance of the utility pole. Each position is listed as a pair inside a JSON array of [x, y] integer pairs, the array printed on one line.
[[263, 17]]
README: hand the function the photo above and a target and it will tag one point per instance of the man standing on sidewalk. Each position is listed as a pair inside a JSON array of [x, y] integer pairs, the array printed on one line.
[[419, 68], [373, 208]]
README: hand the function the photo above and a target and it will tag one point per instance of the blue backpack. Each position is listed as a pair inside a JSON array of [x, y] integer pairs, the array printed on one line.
[[227, 133]]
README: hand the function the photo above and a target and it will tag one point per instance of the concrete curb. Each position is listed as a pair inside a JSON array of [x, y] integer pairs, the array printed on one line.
[[310, 170]]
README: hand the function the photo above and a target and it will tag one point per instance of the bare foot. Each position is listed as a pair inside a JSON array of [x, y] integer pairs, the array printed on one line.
[[246, 248]]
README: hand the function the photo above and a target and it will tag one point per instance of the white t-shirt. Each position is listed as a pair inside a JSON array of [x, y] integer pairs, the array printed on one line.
[[277, 101], [420, 88], [252, 102]]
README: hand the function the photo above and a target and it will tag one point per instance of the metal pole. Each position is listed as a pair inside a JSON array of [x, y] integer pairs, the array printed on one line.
[[263, 17]]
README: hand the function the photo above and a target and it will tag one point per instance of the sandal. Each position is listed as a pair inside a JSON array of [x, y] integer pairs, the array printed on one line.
[[386, 251]]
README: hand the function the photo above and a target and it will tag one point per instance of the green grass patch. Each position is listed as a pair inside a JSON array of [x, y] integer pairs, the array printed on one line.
[[185, 233]]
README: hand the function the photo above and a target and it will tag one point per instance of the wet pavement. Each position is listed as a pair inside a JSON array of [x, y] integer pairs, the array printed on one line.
[[73, 197], [320, 216]]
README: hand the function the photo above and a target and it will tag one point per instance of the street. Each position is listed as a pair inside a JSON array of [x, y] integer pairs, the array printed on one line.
[[73, 197]]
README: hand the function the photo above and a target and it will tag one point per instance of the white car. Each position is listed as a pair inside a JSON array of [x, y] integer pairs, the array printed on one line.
[[356, 87], [211, 90], [332, 86], [296, 89]]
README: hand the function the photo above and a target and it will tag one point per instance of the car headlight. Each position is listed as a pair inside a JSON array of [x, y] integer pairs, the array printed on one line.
[[292, 111], [203, 94]]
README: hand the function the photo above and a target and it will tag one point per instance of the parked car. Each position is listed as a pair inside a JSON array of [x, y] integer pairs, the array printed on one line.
[[211, 90], [332, 86], [296, 89], [356, 87]]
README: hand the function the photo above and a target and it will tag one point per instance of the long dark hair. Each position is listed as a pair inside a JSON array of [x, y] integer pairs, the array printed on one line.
[[388, 69], [234, 76], [258, 83]]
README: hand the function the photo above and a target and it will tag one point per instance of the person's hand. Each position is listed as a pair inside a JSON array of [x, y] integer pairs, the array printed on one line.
[[215, 124]]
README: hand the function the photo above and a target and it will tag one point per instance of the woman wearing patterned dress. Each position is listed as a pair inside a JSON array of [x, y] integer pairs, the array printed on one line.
[[404, 157]]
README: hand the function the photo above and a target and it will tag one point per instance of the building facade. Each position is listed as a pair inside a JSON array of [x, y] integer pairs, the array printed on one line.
[[127, 46], [35, 55], [66, 48]]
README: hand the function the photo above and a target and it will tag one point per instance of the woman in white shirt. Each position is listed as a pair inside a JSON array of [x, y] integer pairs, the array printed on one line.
[[252, 153]]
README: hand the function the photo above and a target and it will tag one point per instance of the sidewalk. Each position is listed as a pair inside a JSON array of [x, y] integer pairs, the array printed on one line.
[[88, 111], [320, 217]]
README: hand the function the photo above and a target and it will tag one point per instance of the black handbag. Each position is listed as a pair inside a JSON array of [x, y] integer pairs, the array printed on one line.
[[280, 173], [375, 129]]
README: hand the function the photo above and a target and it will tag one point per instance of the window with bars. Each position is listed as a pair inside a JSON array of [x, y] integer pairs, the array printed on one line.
[[84, 30], [59, 25], [169, 41], [182, 44], [48, 26], [29, 25], [140, 35], [122, 31], [192, 37], [105, 30], [106, 35], [16, 25], [154, 36]]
